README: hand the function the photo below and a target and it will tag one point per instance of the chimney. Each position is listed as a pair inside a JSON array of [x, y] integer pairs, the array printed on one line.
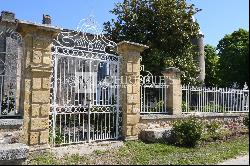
[[7, 16], [46, 19]]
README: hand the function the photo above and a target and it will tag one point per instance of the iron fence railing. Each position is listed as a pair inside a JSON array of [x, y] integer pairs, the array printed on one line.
[[220, 100], [153, 99]]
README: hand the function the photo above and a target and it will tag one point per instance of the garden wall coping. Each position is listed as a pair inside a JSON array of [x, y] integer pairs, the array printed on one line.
[[10, 123], [201, 115]]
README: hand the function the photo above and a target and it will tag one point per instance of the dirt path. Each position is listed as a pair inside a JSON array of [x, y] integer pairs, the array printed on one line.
[[241, 160]]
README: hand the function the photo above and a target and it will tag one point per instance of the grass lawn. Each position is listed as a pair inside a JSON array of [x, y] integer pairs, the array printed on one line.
[[137, 152]]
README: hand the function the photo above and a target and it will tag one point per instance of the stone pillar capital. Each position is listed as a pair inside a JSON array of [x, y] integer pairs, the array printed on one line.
[[45, 30], [172, 72], [125, 47]]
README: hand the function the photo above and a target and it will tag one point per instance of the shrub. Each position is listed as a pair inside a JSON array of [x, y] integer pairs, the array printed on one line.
[[211, 131], [213, 127], [186, 132], [158, 106], [246, 121], [58, 136], [185, 107]]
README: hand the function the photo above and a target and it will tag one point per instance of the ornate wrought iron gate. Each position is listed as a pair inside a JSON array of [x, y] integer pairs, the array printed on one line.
[[10, 71], [85, 95]]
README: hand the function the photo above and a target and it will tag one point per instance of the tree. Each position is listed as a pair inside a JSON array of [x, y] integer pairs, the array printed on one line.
[[212, 66], [166, 26], [234, 58]]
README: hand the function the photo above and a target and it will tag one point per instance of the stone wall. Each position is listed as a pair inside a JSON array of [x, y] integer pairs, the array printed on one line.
[[165, 121]]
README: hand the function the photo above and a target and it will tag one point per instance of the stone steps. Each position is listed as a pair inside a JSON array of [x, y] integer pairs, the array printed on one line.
[[12, 152], [10, 137], [155, 134]]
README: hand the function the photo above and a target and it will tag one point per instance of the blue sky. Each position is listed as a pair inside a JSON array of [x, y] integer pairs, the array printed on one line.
[[217, 18]]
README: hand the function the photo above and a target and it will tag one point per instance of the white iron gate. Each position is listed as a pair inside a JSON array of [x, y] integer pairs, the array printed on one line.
[[85, 97]]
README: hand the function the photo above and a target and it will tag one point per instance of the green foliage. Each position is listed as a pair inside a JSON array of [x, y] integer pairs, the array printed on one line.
[[212, 108], [184, 106], [211, 66], [234, 58], [231, 63], [213, 127], [157, 107], [58, 136], [46, 158], [75, 159], [221, 134], [166, 27], [212, 130], [99, 152], [246, 121], [8, 104], [186, 132]]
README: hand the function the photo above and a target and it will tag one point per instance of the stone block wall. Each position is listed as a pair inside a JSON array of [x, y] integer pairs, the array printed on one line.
[[226, 120]]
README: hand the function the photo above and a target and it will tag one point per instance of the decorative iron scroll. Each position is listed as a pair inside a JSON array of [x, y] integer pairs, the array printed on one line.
[[9, 32], [87, 55], [148, 79], [88, 37]]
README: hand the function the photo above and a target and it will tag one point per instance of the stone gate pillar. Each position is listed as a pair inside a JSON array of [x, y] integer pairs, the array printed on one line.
[[130, 92], [174, 90], [37, 68]]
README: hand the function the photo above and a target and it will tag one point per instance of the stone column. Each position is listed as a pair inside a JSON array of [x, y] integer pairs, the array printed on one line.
[[36, 83], [199, 48], [130, 93], [198, 42], [174, 90]]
